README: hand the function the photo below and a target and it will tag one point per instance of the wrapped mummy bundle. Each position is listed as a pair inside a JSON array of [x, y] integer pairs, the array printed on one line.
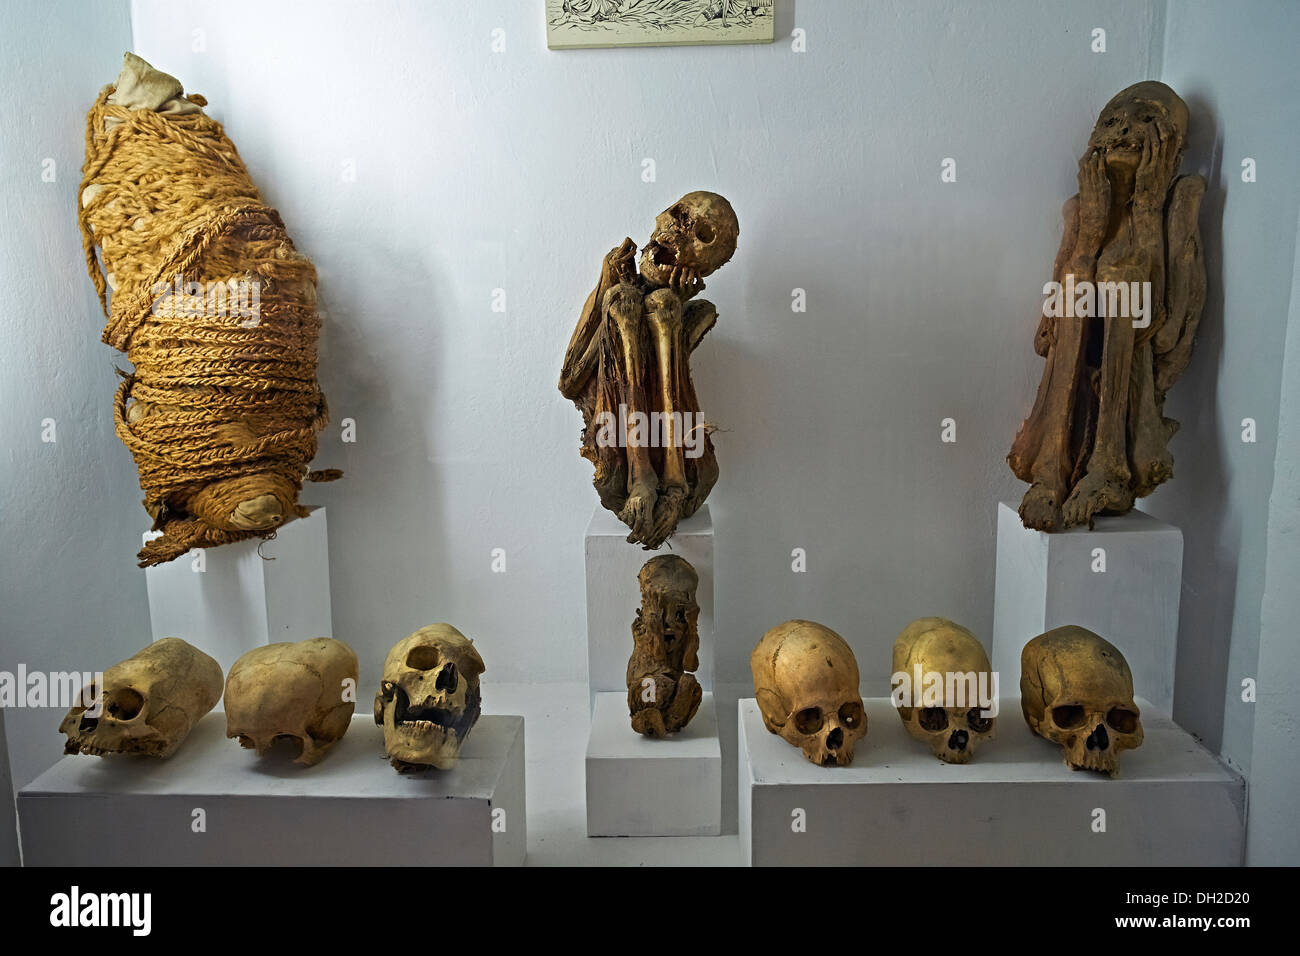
[[215, 309]]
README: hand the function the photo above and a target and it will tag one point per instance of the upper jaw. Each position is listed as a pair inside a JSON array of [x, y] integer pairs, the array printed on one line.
[[653, 271], [1123, 154]]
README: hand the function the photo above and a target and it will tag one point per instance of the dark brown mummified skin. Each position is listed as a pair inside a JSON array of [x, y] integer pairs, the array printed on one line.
[[1097, 439], [629, 356]]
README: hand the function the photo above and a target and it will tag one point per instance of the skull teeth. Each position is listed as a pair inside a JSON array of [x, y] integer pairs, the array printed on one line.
[[426, 725]]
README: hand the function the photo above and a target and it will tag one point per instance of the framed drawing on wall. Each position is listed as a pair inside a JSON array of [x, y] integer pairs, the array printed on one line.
[[604, 23]]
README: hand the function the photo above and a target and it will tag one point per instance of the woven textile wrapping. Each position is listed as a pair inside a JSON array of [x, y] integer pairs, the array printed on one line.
[[216, 310]]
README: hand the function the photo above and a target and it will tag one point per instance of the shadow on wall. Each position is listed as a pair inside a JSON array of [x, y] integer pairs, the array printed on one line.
[[1211, 528]]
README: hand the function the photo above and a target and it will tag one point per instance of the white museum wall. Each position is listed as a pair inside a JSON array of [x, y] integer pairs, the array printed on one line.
[[1272, 837], [1236, 67], [71, 597], [478, 170]]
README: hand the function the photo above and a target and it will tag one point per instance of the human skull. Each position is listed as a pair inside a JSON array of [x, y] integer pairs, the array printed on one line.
[[429, 699], [662, 693], [806, 684], [1076, 690], [303, 692], [1129, 120], [698, 232], [148, 703], [953, 724]]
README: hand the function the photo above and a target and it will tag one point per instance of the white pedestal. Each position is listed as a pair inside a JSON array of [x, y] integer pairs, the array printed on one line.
[[1016, 803], [351, 809], [1048, 580], [639, 786], [613, 594], [228, 600]]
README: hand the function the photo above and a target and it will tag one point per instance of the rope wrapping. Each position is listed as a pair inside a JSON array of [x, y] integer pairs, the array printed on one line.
[[203, 290]]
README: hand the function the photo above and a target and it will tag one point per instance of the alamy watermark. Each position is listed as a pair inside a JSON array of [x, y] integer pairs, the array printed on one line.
[[133, 910], [685, 430], [961, 689], [57, 689], [1085, 299]]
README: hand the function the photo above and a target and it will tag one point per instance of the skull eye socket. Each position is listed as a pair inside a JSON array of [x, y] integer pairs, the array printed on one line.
[[808, 720], [1121, 720], [934, 719], [704, 233], [1068, 717], [125, 704], [422, 658], [851, 715], [976, 722]]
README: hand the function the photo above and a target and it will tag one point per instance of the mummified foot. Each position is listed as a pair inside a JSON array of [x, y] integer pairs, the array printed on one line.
[[1098, 491], [685, 703], [638, 514], [649, 723], [1041, 508], [668, 509]]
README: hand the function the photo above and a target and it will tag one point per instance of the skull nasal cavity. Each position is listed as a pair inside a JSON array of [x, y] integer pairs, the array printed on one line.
[[835, 739], [1098, 739], [124, 704], [422, 658], [446, 678]]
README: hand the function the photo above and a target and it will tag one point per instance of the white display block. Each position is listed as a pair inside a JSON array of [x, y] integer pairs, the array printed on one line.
[[641, 786], [233, 598], [1049, 580], [613, 594], [351, 809], [1015, 803]]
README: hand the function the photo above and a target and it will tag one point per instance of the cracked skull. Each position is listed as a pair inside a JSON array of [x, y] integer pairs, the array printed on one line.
[[429, 699], [303, 692], [148, 703], [1076, 690], [698, 232], [944, 664], [806, 685]]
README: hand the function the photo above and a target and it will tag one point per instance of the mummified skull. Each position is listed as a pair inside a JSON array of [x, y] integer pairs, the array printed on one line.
[[944, 664], [148, 704], [304, 692], [662, 696], [806, 684], [429, 699], [698, 232], [1077, 691]]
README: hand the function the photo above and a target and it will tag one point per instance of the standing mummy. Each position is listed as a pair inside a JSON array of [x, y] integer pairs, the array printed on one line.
[[1097, 438]]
